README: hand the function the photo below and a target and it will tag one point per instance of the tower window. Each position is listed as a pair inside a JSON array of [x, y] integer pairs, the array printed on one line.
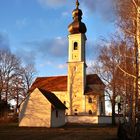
[[75, 46]]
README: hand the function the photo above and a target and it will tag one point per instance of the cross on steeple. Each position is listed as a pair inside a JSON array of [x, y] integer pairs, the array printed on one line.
[[77, 26], [77, 4]]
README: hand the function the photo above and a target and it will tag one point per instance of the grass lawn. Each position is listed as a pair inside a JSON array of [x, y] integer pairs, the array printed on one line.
[[68, 132]]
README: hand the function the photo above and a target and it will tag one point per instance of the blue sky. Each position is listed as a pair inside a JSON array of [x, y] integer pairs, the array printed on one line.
[[36, 30]]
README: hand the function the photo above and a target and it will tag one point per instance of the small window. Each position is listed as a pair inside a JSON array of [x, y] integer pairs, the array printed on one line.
[[89, 100], [64, 102], [56, 114], [75, 46], [102, 110], [75, 112], [90, 112]]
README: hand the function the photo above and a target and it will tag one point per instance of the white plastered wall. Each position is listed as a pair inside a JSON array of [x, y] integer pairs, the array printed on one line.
[[35, 111]]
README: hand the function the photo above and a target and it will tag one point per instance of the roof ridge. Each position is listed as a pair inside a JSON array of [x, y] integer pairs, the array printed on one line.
[[41, 89], [52, 76], [53, 99], [91, 74], [59, 83]]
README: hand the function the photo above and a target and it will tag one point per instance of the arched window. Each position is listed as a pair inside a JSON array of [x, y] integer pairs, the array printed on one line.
[[75, 112], [89, 100], [64, 102], [56, 113], [102, 110], [90, 112], [75, 46]]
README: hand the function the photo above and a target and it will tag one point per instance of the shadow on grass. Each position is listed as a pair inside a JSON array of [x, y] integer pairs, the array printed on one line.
[[11, 131]]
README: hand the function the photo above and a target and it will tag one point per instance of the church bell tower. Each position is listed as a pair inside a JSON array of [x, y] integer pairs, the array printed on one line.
[[76, 63]]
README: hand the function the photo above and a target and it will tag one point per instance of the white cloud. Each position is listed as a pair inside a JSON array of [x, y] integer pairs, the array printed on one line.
[[62, 66], [105, 8], [21, 23], [42, 23], [52, 3], [90, 63], [90, 66], [4, 41], [45, 63], [46, 49], [58, 37], [64, 14]]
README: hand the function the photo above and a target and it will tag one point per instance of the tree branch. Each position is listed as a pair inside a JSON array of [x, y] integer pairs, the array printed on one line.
[[126, 72], [135, 4]]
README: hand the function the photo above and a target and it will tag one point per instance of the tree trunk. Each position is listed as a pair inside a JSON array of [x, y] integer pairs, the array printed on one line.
[[0, 95], [17, 101], [113, 113]]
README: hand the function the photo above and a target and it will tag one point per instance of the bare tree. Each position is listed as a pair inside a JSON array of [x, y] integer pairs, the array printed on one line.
[[9, 64], [129, 22], [15, 80], [28, 75], [113, 56]]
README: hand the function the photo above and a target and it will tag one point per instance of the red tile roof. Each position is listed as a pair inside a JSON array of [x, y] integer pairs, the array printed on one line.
[[59, 83], [56, 83], [93, 79]]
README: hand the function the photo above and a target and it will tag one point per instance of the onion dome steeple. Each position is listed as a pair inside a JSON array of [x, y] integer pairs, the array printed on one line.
[[77, 26]]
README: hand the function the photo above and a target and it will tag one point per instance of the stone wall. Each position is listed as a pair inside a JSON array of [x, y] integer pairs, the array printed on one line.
[[92, 119]]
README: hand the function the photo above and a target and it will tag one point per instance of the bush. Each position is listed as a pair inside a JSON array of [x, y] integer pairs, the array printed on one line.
[[4, 107]]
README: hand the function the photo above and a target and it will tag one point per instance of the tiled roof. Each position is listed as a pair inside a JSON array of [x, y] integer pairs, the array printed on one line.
[[93, 79], [53, 99], [56, 83], [59, 83]]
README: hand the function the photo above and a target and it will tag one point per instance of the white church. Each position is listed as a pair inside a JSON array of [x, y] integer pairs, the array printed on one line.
[[52, 99]]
